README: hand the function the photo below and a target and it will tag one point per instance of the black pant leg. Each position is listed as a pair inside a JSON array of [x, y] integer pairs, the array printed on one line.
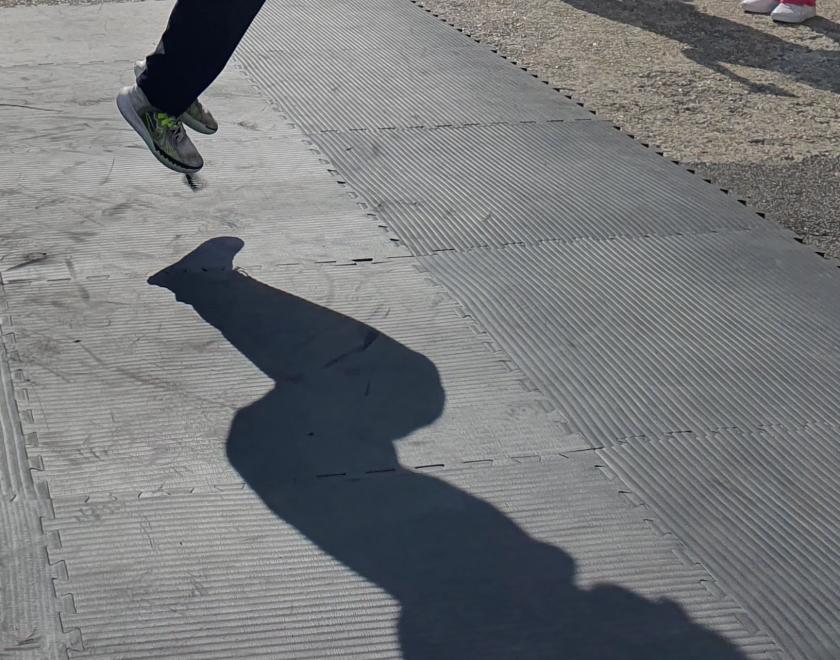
[[198, 42]]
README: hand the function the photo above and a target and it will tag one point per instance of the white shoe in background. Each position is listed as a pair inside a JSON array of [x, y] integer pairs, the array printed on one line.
[[793, 13]]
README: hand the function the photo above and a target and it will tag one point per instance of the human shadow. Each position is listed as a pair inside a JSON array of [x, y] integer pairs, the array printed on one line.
[[715, 42], [469, 581]]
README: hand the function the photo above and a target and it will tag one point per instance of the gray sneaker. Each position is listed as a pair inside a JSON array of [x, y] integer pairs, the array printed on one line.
[[163, 134], [197, 117]]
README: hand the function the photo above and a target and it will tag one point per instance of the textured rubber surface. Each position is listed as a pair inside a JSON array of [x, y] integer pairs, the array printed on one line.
[[332, 91], [152, 406], [14, 464], [29, 612], [477, 563], [496, 185], [299, 26], [104, 209], [643, 337], [383, 76], [30, 628], [772, 496], [418, 471], [49, 106], [80, 35]]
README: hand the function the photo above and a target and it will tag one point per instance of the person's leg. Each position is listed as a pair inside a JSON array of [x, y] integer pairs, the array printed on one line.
[[198, 42], [196, 46]]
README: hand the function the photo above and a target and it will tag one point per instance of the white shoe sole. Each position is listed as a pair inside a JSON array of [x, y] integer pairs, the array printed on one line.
[[793, 20], [188, 121], [128, 112]]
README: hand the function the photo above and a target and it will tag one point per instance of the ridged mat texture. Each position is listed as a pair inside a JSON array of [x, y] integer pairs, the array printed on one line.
[[772, 494], [127, 388], [30, 627], [461, 188], [80, 35], [402, 68], [102, 209], [638, 338], [344, 399], [15, 480], [477, 563]]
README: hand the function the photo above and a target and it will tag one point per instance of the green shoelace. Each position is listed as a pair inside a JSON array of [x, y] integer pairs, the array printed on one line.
[[167, 121]]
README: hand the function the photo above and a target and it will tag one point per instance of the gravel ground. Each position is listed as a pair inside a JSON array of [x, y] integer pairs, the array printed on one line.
[[748, 103]]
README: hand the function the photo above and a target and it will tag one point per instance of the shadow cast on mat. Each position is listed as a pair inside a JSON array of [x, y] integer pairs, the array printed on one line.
[[470, 582], [714, 42]]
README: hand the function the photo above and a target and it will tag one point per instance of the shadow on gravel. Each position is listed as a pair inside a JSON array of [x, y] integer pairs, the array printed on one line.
[[470, 582], [715, 42], [825, 27]]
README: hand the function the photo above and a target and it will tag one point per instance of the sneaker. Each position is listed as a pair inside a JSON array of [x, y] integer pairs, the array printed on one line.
[[163, 134], [197, 117], [759, 6], [785, 13]]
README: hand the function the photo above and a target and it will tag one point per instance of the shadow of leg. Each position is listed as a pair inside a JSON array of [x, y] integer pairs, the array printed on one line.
[[470, 582]]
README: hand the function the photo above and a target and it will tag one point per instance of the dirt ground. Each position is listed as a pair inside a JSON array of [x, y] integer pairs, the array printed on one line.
[[748, 103]]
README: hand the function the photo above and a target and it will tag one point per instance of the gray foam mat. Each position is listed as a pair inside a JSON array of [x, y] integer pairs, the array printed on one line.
[[128, 224], [78, 114], [359, 529], [456, 564], [111, 405], [81, 34], [89, 201], [30, 626], [650, 337], [297, 26], [14, 463], [478, 186], [29, 612], [355, 65], [760, 510], [326, 91]]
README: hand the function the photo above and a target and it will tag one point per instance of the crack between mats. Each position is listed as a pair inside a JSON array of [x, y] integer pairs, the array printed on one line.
[[440, 467], [683, 554], [113, 502], [589, 239]]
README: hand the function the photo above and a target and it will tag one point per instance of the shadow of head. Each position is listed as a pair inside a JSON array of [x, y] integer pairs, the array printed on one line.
[[345, 392]]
